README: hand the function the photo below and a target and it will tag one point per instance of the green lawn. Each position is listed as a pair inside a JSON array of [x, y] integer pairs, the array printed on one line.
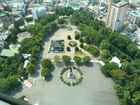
[[80, 53]]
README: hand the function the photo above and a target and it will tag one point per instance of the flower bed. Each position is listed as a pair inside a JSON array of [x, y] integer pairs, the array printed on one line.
[[72, 43]]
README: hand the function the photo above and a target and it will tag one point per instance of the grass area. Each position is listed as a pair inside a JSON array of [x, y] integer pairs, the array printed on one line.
[[69, 28], [80, 53]]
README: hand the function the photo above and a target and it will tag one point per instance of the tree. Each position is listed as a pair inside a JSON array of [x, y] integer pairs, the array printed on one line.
[[69, 37], [33, 60], [117, 74], [21, 70], [31, 68], [82, 45], [131, 49], [107, 68], [81, 40], [86, 59], [45, 72], [76, 49], [105, 56], [127, 67], [137, 64], [77, 35], [105, 45], [60, 21], [66, 58], [13, 81], [136, 84], [77, 59], [46, 63], [57, 59], [4, 86], [68, 48]]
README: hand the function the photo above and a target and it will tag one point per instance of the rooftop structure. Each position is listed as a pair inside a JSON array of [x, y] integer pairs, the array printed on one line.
[[27, 60], [23, 35], [7, 52], [116, 60], [57, 45]]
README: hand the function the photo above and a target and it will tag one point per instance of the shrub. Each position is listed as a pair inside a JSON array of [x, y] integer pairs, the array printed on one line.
[[68, 83], [76, 49], [77, 35], [81, 45], [69, 37], [63, 70], [79, 71], [73, 83], [81, 40], [68, 48], [61, 78]]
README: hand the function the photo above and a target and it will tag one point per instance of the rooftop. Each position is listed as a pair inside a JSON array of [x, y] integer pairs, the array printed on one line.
[[2, 14], [121, 3], [135, 14], [7, 52]]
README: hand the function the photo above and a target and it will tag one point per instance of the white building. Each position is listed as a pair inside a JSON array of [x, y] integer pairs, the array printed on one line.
[[116, 60], [39, 12], [116, 14], [134, 17]]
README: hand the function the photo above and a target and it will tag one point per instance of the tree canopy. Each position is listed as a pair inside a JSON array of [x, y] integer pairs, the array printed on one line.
[[46, 63], [66, 58]]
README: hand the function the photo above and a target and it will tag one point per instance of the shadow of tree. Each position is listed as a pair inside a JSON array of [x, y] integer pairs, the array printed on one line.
[[52, 68], [69, 64], [16, 90], [49, 78], [89, 64], [80, 64], [60, 64], [36, 74]]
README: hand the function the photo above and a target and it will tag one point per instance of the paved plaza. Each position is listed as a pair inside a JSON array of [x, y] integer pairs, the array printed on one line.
[[95, 89]]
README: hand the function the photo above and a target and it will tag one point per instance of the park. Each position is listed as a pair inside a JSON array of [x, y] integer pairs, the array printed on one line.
[[95, 88]]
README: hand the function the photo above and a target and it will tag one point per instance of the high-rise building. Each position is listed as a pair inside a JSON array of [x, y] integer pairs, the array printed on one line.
[[39, 12], [116, 14]]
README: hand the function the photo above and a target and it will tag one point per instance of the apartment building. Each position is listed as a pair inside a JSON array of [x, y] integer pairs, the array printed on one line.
[[134, 17], [116, 14], [39, 12]]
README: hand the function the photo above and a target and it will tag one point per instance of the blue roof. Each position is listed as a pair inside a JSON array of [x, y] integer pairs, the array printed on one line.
[[118, 21], [135, 14]]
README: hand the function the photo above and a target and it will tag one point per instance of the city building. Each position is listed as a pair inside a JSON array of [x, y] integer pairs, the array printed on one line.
[[18, 21], [6, 19], [6, 7], [39, 12], [116, 14], [1, 9], [134, 17]]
